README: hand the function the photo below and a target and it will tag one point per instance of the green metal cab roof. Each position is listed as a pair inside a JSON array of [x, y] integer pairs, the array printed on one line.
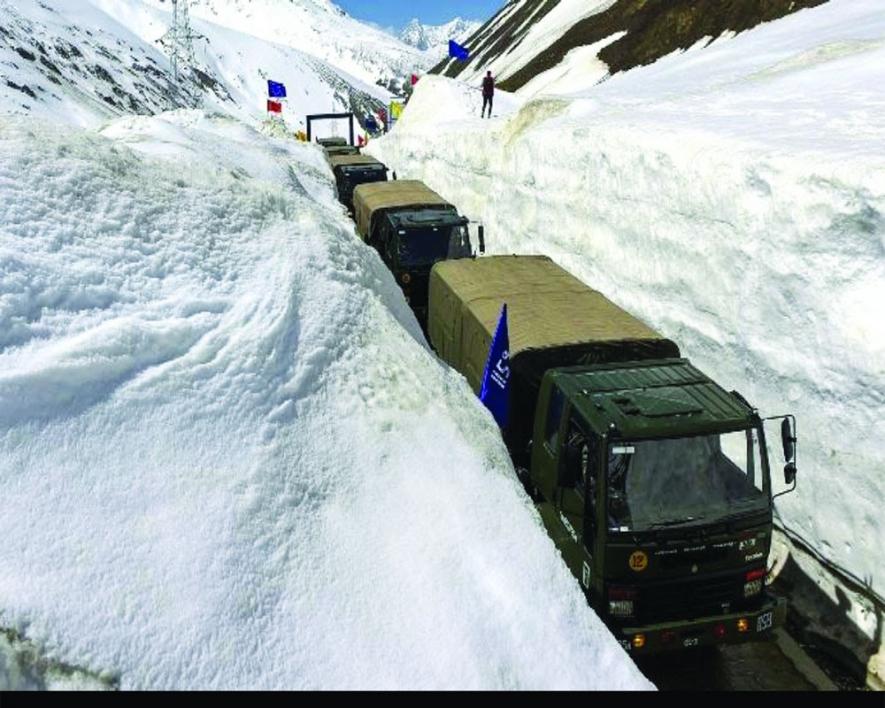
[[656, 399]]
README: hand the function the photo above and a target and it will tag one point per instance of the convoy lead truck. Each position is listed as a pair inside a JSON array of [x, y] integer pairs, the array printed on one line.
[[412, 227], [652, 480]]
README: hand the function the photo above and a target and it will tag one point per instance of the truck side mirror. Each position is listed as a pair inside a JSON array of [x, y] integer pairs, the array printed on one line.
[[788, 439], [482, 239]]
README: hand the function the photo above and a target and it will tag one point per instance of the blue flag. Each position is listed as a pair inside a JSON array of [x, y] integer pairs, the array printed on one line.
[[495, 392], [275, 90], [456, 51]]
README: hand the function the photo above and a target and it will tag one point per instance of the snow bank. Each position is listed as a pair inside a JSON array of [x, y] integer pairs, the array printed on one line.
[[228, 458], [734, 199]]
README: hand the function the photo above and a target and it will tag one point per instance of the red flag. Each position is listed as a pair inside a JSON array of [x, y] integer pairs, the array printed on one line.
[[414, 79], [274, 107]]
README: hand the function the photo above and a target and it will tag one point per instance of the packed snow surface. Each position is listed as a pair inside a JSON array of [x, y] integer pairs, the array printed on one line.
[[734, 198], [228, 458]]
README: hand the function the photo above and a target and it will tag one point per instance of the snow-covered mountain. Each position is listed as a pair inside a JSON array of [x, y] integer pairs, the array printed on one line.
[[319, 28], [92, 59], [434, 39], [536, 46]]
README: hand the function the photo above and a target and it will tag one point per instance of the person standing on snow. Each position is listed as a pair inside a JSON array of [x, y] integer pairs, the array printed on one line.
[[488, 93]]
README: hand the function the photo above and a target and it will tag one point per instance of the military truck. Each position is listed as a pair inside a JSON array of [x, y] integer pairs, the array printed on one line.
[[353, 170], [412, 227], [653, 481]]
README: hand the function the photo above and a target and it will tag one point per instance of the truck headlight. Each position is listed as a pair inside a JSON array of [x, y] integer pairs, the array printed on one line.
[[754, 587], [620, 608]]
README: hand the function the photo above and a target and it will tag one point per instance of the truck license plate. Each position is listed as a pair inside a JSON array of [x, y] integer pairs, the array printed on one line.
[[765, 622]]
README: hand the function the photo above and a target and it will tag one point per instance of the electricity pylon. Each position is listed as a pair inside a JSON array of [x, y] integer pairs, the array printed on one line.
[[179, 40]]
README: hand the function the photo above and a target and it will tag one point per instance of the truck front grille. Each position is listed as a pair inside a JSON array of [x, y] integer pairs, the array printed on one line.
[[687, 599]]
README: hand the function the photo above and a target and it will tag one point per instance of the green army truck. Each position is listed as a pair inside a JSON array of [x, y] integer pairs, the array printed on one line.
[[353, 170], [412, 227], [653, 481]]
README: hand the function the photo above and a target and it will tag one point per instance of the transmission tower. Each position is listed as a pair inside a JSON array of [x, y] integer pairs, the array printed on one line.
[[179, 40]]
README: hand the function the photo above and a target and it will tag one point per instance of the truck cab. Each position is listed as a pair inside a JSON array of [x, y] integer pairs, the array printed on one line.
[[350, 171], [655, 484], [412, 228]]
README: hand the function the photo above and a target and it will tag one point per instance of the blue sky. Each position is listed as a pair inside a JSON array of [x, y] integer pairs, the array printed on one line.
[[396, 13]]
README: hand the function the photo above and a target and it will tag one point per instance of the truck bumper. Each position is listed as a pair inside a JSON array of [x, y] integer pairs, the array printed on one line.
[[725, 629]]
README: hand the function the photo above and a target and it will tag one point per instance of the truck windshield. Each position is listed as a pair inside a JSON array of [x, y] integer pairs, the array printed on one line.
[[365, 176], [661, 483], [424, 247]]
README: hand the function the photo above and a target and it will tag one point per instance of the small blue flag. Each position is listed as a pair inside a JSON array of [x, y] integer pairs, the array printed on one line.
[[495, 392], [275, 90], [456, 51]]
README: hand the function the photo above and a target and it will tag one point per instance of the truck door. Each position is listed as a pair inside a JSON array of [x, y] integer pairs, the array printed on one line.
[[576, 495]]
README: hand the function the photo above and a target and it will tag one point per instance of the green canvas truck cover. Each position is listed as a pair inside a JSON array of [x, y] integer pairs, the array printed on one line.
[[339, 150], [328, 142], [554, 320], [349, 160], [372, 199]]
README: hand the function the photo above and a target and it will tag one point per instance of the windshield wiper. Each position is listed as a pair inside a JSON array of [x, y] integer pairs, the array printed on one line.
[[675, 522]]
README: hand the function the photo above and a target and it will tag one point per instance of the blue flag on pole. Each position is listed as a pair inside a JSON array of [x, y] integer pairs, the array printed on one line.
[[275, 90], [456, 51], [495, 392]]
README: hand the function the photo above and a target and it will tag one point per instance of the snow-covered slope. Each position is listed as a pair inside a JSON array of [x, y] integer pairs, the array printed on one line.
[[434, 39], [319, 28], [87, 61], [228, 458], [543, 42], [734, 198]]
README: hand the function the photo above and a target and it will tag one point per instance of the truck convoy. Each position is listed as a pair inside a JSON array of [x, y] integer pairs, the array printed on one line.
[[353, 170], [412, 227], [653, 481]]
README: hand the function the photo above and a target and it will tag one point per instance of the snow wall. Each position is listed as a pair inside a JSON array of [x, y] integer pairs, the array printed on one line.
[[228, 458], [734, 198]]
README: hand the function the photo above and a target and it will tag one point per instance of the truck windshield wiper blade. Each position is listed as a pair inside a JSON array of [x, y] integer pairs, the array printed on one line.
[[676, 522]]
